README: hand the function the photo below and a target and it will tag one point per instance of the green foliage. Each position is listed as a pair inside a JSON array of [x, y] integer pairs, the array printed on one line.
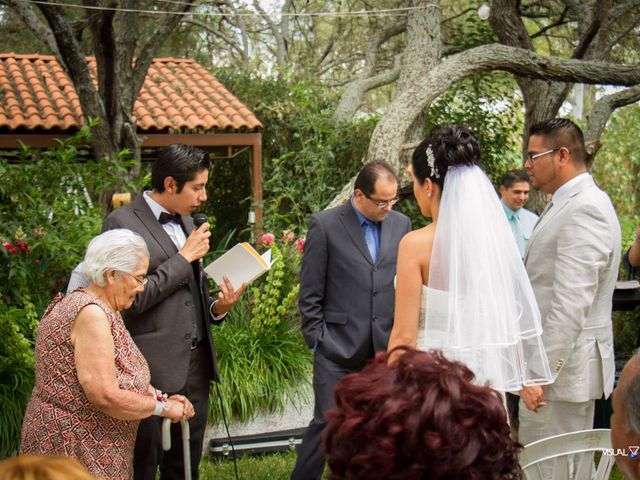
[[616, 168], [274, 299], [48, 217], [228, 196], [17, 330], [490, 106], [466, 32], [260, 368], [306, 155], [263, 360], [617, 164]]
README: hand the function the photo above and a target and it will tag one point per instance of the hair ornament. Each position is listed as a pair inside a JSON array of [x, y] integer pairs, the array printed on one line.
[[431, 161]]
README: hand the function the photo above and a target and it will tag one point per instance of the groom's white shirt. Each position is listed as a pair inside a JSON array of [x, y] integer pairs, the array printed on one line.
[[572, 260]]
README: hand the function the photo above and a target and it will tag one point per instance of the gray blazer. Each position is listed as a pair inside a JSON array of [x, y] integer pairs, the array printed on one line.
[[160, 318], [572, 261], [346, 300]]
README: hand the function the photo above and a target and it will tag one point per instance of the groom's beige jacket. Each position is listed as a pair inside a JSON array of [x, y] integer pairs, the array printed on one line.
[[572, 260]]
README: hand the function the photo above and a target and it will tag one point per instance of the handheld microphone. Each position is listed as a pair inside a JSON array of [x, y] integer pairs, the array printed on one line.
[[199, 219]]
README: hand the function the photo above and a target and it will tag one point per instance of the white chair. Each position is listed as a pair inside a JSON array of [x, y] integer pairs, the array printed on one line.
[[560, 449]]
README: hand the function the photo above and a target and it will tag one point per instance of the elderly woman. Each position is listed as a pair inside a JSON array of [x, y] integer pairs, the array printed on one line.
[[419, 418], [92, 382]]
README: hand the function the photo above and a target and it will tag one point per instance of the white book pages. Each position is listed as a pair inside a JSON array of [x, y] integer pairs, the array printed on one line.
[[241, 264]]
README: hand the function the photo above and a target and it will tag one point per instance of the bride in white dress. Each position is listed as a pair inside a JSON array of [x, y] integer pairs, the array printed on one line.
[[461, 285]]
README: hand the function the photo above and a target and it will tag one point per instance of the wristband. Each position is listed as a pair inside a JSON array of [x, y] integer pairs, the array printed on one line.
[[637, 238], [160, 407], [161, 402]]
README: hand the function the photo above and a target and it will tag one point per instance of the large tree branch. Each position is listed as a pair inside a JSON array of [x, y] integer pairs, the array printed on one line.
[[390, 133], [632, 25], [367, 79], [377, 40], [423, 40], [506, 22], [149, 49], [353, 94], [591, 31], [279, 32], [205, 26], [600, 114], [74, 60], [561, 21]]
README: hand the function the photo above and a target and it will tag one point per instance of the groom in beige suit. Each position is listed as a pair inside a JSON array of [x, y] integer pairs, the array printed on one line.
[[572, 261]]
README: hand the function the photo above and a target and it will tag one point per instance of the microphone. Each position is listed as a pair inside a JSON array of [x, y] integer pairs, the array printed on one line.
[[199, 219]]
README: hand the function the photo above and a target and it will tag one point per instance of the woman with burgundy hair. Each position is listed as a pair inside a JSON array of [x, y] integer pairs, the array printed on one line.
[[421, 418]]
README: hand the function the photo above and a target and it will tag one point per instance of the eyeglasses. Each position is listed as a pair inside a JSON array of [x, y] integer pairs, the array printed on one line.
[[532, 157], [142, 281], [382, 203]]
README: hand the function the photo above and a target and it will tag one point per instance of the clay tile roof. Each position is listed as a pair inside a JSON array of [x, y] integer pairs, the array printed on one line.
[[177, 95]]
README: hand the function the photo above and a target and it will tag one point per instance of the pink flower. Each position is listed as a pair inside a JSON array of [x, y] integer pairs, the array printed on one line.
[[10, 248], [22, 246], [288, 236], [300, 244], [266, 239]]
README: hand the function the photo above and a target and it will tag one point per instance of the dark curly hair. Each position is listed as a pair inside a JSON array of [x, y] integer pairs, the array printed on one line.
[[451, 146], [419, 418]]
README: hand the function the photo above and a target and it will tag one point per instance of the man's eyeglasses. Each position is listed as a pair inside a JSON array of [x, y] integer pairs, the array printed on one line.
[[142, 281], [533, 156], [382, 203]]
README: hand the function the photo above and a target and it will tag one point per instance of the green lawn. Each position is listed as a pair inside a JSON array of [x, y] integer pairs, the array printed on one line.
[[275, 466]]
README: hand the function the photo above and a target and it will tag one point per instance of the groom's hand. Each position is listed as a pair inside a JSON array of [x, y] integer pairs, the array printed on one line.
[[533, 397]]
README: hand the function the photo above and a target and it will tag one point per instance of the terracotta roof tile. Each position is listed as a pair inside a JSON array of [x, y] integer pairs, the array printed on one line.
[[178, 94]]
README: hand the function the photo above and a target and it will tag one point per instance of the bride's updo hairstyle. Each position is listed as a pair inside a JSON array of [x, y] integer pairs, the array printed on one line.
[[444, 147]]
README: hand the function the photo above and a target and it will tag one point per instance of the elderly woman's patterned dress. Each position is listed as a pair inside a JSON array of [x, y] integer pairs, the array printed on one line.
[[59, 419]]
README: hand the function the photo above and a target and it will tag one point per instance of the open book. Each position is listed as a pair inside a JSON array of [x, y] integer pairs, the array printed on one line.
[[241, 264]]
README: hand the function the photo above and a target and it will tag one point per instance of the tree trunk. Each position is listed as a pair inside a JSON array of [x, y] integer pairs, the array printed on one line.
[[422, 52]]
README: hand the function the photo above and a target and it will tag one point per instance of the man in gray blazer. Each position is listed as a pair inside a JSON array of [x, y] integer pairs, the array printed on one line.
[[170, 321], [572, 261], [347, 294]]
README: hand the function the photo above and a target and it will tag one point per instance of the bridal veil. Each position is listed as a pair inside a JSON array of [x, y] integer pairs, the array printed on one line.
[[480, 307]]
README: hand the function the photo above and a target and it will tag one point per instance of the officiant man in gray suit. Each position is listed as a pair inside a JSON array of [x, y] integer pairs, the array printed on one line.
[[572, 260], [170, 321], [347, 293]]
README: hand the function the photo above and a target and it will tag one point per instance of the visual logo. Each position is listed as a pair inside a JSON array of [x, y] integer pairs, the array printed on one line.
[[633, 451]]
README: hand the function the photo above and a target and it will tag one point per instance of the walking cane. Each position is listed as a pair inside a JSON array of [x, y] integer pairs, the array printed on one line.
[[186, 436]]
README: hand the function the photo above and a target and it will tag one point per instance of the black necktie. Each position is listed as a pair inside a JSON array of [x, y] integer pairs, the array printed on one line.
[[170, 217]]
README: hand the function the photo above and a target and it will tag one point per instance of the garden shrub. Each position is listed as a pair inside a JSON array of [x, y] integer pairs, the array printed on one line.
[[262, 358], [17, 329], [307, 155]]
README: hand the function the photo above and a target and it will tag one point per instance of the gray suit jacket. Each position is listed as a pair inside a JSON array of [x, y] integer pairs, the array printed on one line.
[[160, 319], [346, 300], [572, 261]]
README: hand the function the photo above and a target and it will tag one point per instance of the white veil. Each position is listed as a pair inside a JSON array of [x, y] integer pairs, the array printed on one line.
[[480, 307]]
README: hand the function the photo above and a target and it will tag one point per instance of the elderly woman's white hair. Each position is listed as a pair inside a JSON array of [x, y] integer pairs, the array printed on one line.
[[119, 249]]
